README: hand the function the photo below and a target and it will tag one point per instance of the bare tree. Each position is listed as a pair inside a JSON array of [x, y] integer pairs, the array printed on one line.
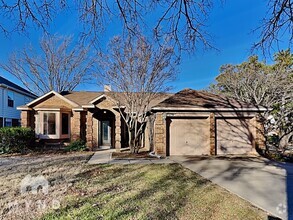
[[56, 65], [182, 21], [138, 73], [263, 85], [275, 26]]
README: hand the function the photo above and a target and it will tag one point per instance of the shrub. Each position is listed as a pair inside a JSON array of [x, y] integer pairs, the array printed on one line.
[[78, 145], [16, 139]]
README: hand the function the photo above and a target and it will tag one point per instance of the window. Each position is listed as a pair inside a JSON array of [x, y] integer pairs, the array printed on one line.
[[10, 98], [49, 123], [8, 122], [65, 125], [52, 124]]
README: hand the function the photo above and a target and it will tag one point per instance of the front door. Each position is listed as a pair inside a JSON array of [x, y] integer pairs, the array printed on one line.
[[106, 133]]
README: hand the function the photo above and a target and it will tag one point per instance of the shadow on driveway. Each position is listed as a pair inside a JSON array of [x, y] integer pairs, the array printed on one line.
[[264, 183]]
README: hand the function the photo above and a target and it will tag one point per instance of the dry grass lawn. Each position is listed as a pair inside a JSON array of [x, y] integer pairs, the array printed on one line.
[[139, 191]]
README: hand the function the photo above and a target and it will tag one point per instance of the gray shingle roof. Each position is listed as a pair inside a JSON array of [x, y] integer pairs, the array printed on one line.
[[192, 98], [13, 85]]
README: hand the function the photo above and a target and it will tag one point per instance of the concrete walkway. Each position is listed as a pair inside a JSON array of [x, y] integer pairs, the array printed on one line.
[[104, 157], [265, 184]]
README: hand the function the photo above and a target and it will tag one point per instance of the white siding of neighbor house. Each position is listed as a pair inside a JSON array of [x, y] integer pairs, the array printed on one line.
[[12, 112]]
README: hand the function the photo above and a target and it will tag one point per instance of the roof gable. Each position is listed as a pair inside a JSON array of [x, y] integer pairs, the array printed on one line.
[[189, 98], [102, 98], [49, 95]]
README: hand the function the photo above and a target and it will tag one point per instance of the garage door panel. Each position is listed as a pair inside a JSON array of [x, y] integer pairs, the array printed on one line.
[[234, 136], [189, 136]]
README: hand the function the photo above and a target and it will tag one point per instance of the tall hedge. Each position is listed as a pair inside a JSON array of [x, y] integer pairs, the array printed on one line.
[[16, 139]]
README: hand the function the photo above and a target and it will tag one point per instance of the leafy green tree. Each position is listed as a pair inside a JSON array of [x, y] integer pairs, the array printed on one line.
[[266, 85]]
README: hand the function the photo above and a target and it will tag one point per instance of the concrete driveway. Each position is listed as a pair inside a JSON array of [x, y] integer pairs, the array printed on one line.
[[265, 184]]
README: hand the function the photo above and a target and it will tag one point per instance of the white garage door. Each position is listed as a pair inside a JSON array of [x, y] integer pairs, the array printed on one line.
[[190, 136], [234, 136]]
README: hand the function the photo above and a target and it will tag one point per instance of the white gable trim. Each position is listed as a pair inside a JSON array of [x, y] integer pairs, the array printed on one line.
[[98, 98], [56, 94], [103, 96]]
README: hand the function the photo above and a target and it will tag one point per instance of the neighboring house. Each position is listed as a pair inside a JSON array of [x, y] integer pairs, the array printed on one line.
[[12, 96], [186, 123]]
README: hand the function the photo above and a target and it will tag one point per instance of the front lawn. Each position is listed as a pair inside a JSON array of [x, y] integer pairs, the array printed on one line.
[[166, 191]]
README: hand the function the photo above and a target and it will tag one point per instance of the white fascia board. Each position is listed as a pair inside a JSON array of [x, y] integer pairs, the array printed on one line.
[[78, 109], [23, 108], [88, 106], [48, 109], [98, 98], [207, 109], [55, 93]]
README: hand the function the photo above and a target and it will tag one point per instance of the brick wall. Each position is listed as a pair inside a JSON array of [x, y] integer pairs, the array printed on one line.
[[27, 119], [259, 139], [160, 134], [212, 134], [89, 130], [75, 126]]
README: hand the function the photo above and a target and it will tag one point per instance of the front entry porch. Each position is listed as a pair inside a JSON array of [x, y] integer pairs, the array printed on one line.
[[105, 126]]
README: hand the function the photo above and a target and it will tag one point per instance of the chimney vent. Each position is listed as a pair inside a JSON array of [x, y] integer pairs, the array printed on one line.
[[107, 88]]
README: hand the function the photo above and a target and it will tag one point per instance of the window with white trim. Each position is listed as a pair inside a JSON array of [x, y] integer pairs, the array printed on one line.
[[52, 124], [49, 123], [10, 99]]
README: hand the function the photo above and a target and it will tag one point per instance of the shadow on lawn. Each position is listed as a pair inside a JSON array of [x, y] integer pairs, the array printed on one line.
[[175, 200], [137, 192]]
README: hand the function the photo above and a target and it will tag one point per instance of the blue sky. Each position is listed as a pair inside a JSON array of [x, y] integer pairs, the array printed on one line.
[[230, 24]]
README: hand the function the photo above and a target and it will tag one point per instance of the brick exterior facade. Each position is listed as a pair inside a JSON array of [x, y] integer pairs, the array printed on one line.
[[84, 124], [260, 138], [89, 130], [75, 126], [212, 133], [27, 119], [161, 132]]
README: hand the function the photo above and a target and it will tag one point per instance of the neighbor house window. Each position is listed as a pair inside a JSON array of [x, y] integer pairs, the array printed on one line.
[[65, 123], [8, 122], [49, 123], [10, 98]]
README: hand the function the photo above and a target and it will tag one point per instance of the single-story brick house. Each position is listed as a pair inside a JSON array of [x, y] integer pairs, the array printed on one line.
[[186, 123], [90, 116]]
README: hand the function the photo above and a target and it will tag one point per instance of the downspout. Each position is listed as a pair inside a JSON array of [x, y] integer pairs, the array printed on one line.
[[153, 154]]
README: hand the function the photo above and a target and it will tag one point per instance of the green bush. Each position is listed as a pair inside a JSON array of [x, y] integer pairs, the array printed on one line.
[[16, 139], [78, 145]]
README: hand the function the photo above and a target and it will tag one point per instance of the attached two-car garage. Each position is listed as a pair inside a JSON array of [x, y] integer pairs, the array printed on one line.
[[194, 122], [192, 136]]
